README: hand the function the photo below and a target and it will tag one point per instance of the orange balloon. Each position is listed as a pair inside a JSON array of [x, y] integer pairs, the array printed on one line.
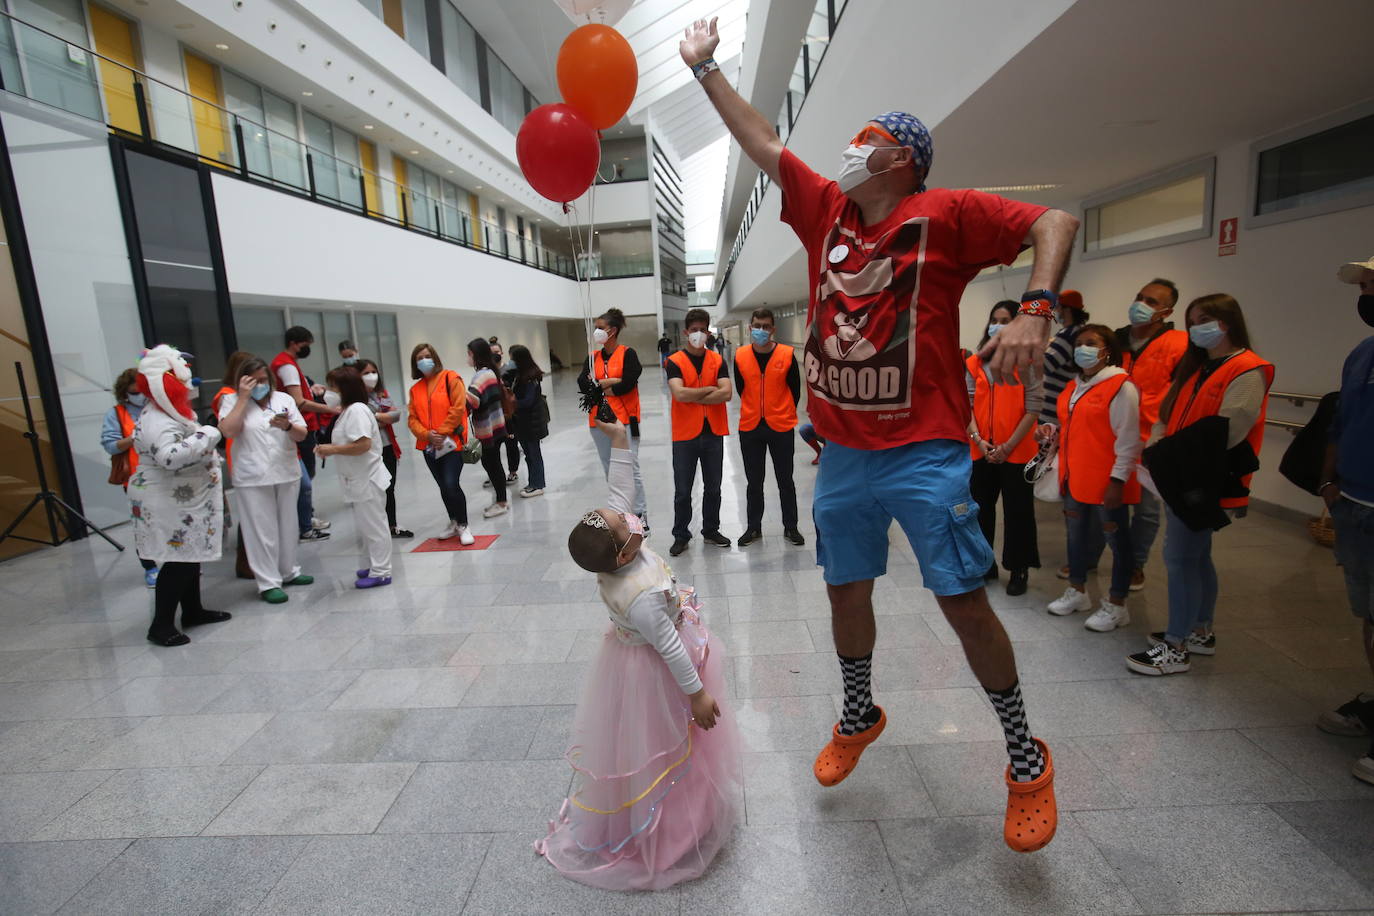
[[598, 74]]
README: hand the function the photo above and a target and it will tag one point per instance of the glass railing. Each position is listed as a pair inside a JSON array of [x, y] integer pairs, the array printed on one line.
[[825, 18], [46, 68]]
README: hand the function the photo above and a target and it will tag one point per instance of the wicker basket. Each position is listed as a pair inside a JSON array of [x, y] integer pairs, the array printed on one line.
[[1323, 530]]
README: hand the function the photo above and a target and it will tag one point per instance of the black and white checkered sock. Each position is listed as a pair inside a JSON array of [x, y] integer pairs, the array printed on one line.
[[1026, 761], [859, 711]]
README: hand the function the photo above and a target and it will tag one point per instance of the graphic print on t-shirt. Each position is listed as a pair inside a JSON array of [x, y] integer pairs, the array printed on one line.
[[861, 345]]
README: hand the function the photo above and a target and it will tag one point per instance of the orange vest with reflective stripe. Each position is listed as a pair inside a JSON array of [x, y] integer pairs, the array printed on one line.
[[1087, 443], [624, 405], [688, 419], [1152, 370], [126, 429], [997, 409], [766, 395], [430, 404], [1196, 402]]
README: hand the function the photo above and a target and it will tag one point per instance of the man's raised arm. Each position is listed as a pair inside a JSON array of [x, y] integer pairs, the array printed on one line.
[[755, 135]]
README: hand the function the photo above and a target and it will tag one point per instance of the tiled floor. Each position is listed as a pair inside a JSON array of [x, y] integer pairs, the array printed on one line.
[[398, 751]]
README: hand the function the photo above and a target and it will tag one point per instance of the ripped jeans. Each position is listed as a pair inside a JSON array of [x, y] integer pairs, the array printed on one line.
[[1113, 524]]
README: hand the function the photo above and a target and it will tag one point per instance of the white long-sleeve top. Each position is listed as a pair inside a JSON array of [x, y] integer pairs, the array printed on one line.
[[1241, 404], [1123, 414], [642, 596]]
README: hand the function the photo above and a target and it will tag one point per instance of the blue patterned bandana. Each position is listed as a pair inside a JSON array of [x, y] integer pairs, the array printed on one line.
[[909, 131]]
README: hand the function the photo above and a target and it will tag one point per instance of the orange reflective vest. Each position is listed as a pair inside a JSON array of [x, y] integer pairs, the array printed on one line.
[[431, 405], [228, 442], [126, 429], [688, 419], [766, 395], [997, 409], [1204, 400], [626, 406], [1087, 443], [1152, 370]]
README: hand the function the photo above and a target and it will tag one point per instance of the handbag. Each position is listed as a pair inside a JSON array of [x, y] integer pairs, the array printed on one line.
[[472, 449], [120, 469], [1046, 487]]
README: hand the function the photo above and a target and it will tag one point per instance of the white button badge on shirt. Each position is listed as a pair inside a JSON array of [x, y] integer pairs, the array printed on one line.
[[839, 253]]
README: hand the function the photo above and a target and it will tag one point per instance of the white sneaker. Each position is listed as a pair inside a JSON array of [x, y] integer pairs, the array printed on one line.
[[1363, 768], [495, 509], [320, 524], [450, 531], [464, 535], [1108, 617], [531, 491], [1072, 600]]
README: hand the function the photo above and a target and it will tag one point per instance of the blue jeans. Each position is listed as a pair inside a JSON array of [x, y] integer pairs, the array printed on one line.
[[1355, 554], [1083, 522], [534, 460], [603, 450], [305, 500], [446, 471], [1192, 578], [1144, 529]]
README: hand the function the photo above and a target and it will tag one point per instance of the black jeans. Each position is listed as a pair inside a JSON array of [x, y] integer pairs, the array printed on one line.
[[534, 458], [512, 454], [491, 463], [446, 471], [1020, 547], [709, 450], [177, 583], [754, 446], [390, 460]]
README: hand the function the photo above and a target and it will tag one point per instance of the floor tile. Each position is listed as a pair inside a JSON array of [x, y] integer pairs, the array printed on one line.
[[405, 688], [962, 864], [52, 699], [170, 741], [1190, 702], [1218, 859], [161, 696], [770, 637], [528, 646], [553, 735], [151, 802], [526, 685], [1061, 710], [491, 733], [28, 801], [293, 655], [1320, 760], [38, 878], [189, 875], [371, 875], [57, 744], [74, 664], [780, 788], [965, 779], [477, 797], [281, 691], [314, 799], [1343, 830], [935, 716], [320, 736], [406, 651], [786, 723]]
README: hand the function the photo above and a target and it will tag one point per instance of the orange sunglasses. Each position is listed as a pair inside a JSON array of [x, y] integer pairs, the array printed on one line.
[[872, 132]]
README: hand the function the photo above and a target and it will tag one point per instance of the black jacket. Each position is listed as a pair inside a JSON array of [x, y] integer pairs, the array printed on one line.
[[1194, 471]]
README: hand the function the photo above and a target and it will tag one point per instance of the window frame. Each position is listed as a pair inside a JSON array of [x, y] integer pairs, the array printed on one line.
[[1302, 131], [1206, 167]]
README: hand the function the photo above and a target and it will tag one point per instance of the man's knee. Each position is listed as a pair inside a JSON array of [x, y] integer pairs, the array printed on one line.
[[968, 614], [850, 598]]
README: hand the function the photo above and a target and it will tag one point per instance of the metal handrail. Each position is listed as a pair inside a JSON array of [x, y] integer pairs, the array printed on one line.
[[1298, 399], [1289, 425]]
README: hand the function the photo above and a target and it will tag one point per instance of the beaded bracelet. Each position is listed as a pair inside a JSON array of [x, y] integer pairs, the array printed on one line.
[[703, 67], [1040, 308]]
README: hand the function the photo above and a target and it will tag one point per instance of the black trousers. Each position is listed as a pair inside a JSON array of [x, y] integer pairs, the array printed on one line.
[[755, 446], [512, 453], [491, 463], [177, 584], [1020, 548], [389, 460], [708, 450]]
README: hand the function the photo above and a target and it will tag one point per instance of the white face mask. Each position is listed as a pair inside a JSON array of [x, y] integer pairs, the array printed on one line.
[[332, 399], [854, 167], [370, 380], [697, 339], [600, 337]]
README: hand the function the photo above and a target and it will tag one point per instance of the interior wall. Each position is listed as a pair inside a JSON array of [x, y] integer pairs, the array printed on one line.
[[1300, 317]]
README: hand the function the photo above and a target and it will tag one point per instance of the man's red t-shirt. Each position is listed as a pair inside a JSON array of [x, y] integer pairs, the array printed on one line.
[[882, 356]]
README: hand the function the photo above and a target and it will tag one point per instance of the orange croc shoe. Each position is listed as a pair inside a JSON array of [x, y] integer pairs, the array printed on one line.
[[1032, 815], [838, 758]]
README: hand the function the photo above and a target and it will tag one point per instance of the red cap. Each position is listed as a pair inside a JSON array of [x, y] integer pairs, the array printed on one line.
[[1071, 298]]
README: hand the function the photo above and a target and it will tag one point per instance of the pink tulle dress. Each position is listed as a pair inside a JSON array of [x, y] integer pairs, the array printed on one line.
[[654, 796]]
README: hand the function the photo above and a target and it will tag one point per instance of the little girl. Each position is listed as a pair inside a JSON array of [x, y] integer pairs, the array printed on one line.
[[657, 766]]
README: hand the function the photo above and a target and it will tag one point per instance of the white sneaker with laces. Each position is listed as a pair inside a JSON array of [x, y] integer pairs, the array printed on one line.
[[495, 509], [1108, 617], [531, 491], [1072, 600], [464, 536], [320, 524], [451, 530], [512, 477]]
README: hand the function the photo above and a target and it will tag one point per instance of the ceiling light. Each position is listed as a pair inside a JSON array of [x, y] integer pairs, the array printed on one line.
[[306, 92], [414, 152], [1003, 188], [367, 127], [222, 46]]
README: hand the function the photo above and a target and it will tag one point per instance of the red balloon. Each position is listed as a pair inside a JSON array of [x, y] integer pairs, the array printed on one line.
[[558, 152], [598, 73]]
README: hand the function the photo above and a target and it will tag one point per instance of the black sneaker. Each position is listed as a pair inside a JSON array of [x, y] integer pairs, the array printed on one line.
[[679, 545], [1195, 644], [314, 534], [794, 536], [402, 533], [749, 537], [716, 538], [1019, 581]]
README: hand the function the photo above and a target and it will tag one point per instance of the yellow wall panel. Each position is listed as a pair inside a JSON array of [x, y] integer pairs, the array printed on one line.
[[372, 189], [114, 39], [212, 133]]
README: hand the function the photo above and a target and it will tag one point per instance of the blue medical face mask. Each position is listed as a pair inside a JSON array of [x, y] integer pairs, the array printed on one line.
[[349, 360], [1140, 314], [426, 365], [1206, 335], [261, 391], [137, 400], [760, 336], [1086, 357], [993, 329]]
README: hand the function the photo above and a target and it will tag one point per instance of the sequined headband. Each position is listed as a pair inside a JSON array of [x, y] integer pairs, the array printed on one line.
[[594, 519]]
